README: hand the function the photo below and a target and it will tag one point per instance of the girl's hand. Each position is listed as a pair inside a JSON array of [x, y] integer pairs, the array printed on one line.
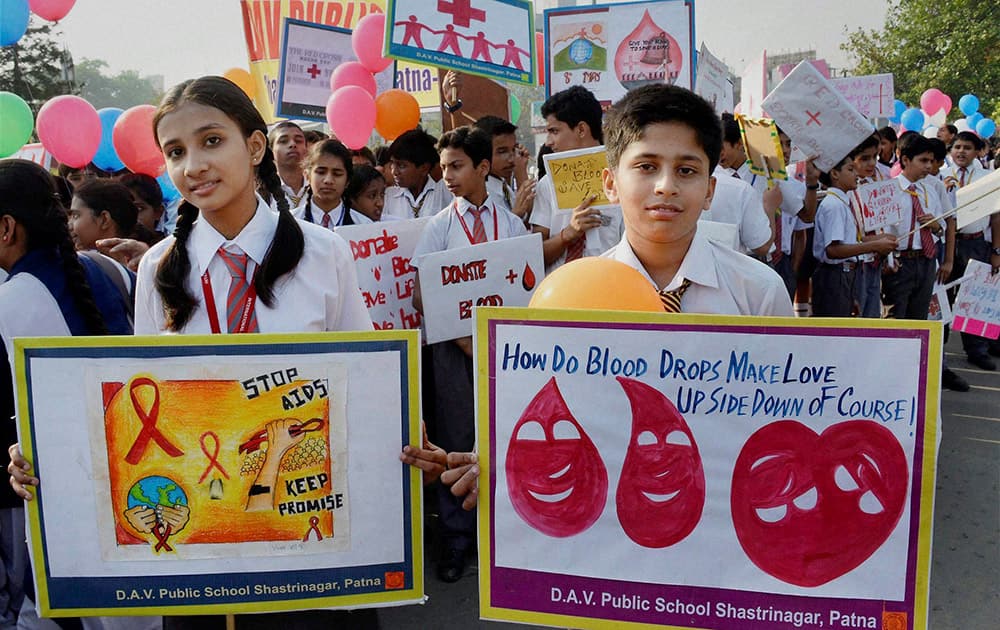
[[18, 469], [463, 477]]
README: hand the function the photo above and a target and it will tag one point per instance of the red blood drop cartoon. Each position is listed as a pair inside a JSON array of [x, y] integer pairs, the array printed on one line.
[[661, 492], [555, 477], [528, 278], [809, 508]]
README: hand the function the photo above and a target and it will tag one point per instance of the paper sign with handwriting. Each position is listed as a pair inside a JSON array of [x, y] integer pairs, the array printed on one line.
[[871, 94], [816, 116], [977, 307], [881, 204], [576, 175], [713, 81]]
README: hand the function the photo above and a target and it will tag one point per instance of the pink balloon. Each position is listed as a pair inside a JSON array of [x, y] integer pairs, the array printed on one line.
[[132, 137], [946, 103], [351, 115], [929, 100], [367, 41], [69, 129], [51, 10], [353, 73]]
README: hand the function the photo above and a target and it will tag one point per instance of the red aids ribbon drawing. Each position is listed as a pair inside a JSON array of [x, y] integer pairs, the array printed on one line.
[[162, 532], [313, 527], [213, 457], [148, 419]]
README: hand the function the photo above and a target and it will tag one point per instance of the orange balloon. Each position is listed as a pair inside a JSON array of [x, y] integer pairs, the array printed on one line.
[[242, 78], [595, 283], [396, 111]]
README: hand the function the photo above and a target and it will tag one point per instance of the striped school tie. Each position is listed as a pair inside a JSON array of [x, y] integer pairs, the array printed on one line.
[[478, 229], [236, 300], [927, 245], [325, 221], [672, 299]]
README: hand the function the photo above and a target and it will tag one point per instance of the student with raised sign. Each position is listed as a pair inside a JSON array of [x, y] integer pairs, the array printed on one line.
[[508, 167], [839, 244], [473, 217], [572, 121], [412, 157]]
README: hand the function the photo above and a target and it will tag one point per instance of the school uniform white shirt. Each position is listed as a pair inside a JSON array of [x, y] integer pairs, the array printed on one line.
[[736, 203], [295, 197], [501, 192], [835, 222], [320, 294], [930, 203], [793, 195], [452, 227], [973, 173], [882, 172], [547, 215], [723, 281], [336, 214], [399, 201], [362, 219]]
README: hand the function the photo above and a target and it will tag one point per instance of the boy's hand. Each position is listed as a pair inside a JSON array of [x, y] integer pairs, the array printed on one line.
[[584, 218], [524, 200], [772, 199], [883, 243], [463, 478], [521, 159], [812, 173], [944, 272], [928, 220]]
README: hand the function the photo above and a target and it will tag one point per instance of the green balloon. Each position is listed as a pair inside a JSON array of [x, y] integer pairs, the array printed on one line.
[[16, 123], [515, 108]]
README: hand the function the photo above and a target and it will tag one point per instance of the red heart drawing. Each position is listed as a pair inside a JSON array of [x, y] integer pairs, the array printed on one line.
[[661, 492], [556, 480], [809, 508]]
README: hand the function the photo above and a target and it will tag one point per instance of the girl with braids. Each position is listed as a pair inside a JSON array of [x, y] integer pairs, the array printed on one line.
[[328, 169], [50, 292], [366, 195]]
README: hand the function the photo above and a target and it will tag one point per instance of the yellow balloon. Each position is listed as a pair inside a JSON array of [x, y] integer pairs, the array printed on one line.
[[242, 78], [595, 283]]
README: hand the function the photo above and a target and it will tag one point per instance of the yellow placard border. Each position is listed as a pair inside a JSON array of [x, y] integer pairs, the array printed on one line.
[[932, 401], [412, 339]]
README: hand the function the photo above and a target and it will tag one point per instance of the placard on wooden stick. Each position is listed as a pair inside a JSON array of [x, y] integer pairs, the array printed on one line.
[[763, 147]]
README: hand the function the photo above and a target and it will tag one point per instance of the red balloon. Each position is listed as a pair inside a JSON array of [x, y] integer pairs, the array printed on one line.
[[134, 141], [69, 129], [51, 10]]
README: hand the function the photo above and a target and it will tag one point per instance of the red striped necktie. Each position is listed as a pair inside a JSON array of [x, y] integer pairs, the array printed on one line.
[[927, 245], [478, 229], [239, 289], [325, 221]]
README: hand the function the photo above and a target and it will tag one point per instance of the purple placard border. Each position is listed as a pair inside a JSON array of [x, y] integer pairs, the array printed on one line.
[[519, 599]]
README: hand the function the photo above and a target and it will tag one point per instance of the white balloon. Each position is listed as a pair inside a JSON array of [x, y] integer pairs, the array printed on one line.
[[931, 132], [938, 119], [962, 125]]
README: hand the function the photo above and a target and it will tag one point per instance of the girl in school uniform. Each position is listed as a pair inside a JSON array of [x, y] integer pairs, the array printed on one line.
[[366, 195], [233, 265], [328, 170], [50, 291]]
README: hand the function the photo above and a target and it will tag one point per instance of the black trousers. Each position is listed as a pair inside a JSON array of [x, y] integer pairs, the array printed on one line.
[[907, 292], [833, 293]]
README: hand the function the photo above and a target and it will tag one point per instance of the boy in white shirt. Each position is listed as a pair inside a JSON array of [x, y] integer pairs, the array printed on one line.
[[289, 146], [412, 156], [508, 167]]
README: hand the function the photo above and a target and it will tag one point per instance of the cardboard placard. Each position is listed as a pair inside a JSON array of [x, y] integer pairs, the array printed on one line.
[[576, 175], [713, 81], [382, 253], [753, 87], [977, 306], [490, 38], [692, 471], [454, 282], [223, 473], [979, 199], [871, 94], [763, 147], [816, 117], [881, 204]]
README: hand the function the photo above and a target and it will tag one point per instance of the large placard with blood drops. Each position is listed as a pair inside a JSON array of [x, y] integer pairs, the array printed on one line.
[[697, 471], [184, 474], [613, 48]]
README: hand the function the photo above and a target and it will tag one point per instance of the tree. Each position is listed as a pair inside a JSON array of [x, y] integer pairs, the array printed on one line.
[[125, 89], [953, 45], [33, 67]]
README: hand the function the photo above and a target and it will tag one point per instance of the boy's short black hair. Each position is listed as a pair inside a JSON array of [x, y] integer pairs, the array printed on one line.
[[313, 136], [969, 136], [495, 126], [574, 105], [660, 103], [475, 142], [912, 144], [366, 153], [952, 129], [888, 133], [415, 145], [824, 177], [272, 135], [939, 148], [871, 142], [730, 129]]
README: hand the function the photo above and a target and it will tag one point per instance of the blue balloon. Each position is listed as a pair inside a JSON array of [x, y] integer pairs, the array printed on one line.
[[13, 20], [912, 119], [170, 192], [969, 104], [974, 119], [898, 108], [986, 128], [106, 157]]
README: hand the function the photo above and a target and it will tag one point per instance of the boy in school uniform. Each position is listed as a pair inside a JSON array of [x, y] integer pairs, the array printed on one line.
[[663, 145], [412, 157], [869, 279], [887, 150], [473, 217], [572, 121], [838, 243], [907, 290], [288, 143], [508, 167]]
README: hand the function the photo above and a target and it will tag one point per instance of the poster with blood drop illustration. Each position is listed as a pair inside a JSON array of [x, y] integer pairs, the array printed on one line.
[[700, 471], [613, 48]]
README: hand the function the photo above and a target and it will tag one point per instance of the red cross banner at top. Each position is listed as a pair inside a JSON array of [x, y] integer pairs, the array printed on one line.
[[461, 12]]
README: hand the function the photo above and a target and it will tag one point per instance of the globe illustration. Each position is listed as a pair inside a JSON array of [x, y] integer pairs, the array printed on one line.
[[580, 51], [156, 491]]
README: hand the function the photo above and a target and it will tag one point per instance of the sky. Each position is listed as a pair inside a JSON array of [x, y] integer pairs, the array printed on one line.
[[182, 39]]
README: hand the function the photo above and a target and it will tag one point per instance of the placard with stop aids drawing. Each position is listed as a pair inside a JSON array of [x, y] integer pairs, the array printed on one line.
[[696, 472]]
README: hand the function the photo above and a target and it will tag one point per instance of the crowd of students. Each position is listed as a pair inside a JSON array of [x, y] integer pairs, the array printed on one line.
[[253, 244]]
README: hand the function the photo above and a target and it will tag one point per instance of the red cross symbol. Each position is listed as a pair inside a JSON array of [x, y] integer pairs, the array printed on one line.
[[511, 276], [813, 118], [314, 71], [461, 12]]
